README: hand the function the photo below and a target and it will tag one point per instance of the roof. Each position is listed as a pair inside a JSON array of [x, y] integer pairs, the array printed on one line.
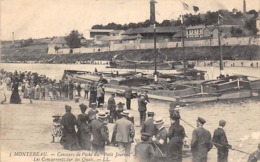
[[110, 38], [116, 31], [150, 29], [101, 30], [59, 40], [195, 27], [132, 37]]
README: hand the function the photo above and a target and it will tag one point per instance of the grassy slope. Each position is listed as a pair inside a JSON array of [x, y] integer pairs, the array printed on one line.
[[39, 52]]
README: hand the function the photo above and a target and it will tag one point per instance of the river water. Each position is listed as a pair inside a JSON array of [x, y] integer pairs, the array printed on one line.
[[55, 71]]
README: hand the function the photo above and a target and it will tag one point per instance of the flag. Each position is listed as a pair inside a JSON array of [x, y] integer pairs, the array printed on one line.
[[185, 6], [195, 8]]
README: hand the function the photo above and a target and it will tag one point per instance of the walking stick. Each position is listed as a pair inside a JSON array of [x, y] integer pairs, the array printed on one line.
[[158, 148], [217, 143]]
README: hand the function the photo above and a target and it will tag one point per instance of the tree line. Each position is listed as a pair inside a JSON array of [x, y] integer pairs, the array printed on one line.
[[209, 18]]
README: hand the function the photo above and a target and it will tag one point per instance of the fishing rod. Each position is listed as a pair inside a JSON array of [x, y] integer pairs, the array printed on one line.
[[217, 143]]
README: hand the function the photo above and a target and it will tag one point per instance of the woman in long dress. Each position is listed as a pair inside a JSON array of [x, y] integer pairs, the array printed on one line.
[[2, 92], [84, 133], [15, 97]]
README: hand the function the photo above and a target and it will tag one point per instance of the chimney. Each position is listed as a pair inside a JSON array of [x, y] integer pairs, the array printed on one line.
[[152, 11], [13, 38], [244, 6]]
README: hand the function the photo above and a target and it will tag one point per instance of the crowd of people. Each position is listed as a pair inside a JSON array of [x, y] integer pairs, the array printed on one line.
[[89, 130], [157, 143]]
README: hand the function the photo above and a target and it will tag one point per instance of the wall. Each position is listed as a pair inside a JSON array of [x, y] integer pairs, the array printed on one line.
[[130, 45]]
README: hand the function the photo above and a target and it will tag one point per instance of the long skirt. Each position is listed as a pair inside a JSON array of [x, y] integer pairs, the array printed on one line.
[[84, 139], [69, 141], [15, 98]]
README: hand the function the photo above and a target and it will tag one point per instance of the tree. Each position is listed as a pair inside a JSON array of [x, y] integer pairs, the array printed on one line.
[[73, 40], [236, 32], [251, 26]]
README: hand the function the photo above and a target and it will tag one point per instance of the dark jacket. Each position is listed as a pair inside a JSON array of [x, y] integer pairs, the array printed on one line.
[[176, 135], [99, 132], [68, 122], [144, 152], [161, 135], [92, 114], [220, 138], [200, 144], [149, 127], [111, 103], [128, 93], [142, 104]]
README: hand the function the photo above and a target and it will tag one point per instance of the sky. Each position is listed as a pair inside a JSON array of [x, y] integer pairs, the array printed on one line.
[[47, 18]]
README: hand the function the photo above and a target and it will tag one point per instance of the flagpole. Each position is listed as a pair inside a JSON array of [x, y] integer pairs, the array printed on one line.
[[220, 49]]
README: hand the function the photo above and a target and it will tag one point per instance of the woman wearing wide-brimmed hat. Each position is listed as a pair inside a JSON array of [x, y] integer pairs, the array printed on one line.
[[15, 97]]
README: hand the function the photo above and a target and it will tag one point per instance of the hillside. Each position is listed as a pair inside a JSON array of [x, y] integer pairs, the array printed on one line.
[[39, 53]]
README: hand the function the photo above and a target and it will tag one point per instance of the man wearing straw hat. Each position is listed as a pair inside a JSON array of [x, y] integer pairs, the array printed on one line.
[[201, 142], [100, 136], [160, 139], [124, 132]]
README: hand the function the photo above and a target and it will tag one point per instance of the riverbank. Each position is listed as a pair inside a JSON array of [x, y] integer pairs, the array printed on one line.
[[249, 52]]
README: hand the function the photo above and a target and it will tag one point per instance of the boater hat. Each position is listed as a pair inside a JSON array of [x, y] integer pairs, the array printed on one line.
[[158, 120], [101, 115], [201, 120], [125, 113], [56, 116]]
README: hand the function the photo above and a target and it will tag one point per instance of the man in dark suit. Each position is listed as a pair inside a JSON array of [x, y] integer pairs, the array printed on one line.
[[142, 108], [99, 132], [176, 135], [112, 107], [128, 96], [221, 142], [69, 138], [201, 142], [148, 125], [125, 132]]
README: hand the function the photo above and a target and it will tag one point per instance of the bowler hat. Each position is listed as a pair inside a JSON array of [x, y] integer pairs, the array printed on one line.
[[201, 120], [158, 120]]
